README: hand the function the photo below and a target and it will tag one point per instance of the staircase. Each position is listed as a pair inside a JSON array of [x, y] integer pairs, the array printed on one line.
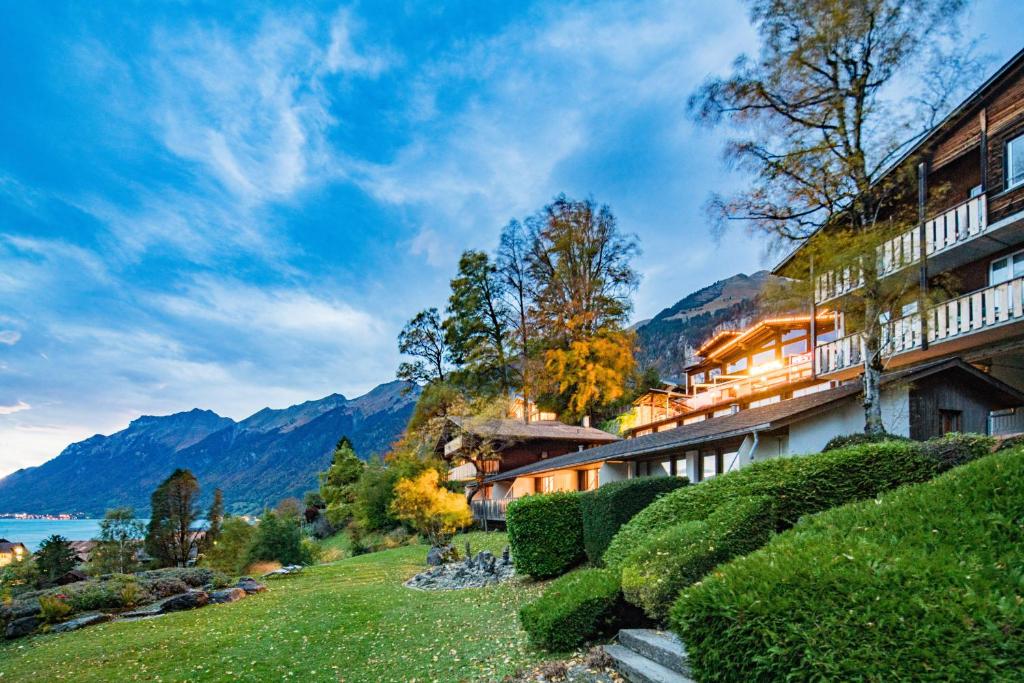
[[647, 656]]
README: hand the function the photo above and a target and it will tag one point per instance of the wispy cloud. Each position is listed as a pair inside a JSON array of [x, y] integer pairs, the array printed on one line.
[[9, 337], [15, 408]]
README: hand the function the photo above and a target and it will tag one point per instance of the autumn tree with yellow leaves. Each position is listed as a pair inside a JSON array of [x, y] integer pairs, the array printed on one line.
[[433, 511]]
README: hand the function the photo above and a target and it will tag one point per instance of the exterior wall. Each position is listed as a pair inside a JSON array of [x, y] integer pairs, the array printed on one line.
[[847, 417], [501, 489], [1009, 368], [613, 471], [932, 395], [523, 486]]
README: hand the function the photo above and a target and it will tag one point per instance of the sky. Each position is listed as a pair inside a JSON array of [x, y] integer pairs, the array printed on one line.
[[238, 205]]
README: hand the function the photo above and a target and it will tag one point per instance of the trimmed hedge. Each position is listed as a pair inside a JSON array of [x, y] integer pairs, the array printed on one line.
[[923, 583], [545, 534], [607, 508], [573, 609], [657, 571], [859, 439], [798, 485]]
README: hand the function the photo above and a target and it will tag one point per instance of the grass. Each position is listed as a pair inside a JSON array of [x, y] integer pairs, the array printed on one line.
[[347, 621]]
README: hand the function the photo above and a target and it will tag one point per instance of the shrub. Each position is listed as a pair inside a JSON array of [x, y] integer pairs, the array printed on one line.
[[680, 556], [228, 554], [107, 593], [545, 534], [607, 508], [194, 577], [573, 609], [953, 450], [859, 439], [798, 485], [54, 608], [431, 509], [278, 539], [923, 583], [165, 587]]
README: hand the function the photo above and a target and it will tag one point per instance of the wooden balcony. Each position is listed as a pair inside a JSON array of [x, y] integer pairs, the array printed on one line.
[[958, 225], [958, 319], [757, 381], [490, 510]]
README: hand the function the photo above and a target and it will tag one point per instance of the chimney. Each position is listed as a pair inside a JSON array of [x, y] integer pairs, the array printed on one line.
[[586, 420]]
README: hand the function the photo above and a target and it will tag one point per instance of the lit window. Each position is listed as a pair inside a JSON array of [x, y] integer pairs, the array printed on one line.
[[737, 366], [1015, 162], [764, 357], [547, 484]]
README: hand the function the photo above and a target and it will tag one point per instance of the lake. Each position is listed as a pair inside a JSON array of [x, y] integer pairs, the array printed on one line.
[[31, 532]]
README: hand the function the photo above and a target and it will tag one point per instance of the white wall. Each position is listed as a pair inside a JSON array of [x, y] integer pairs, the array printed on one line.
[[847, 417], [612, 471]]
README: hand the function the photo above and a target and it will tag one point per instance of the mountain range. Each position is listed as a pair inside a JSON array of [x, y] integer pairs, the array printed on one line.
[[268, 456]]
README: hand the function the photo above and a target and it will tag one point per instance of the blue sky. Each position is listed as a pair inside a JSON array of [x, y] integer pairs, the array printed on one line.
[[233, 207]]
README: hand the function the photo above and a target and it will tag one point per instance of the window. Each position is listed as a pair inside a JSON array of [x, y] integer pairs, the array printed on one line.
[[737, 366], [794, 348], [708, 465], [1006, 268], [547, 484], [1015, 162], [587, 480], [730, 461], [952, 421], [764, 357], [697, 378]]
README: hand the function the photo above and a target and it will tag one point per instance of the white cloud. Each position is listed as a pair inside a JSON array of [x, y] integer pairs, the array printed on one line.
[[342, 54], [9, 337], [15, 408]]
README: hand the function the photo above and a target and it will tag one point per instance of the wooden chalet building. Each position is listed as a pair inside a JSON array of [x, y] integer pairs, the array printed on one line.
[[11, 552], [968, 251]]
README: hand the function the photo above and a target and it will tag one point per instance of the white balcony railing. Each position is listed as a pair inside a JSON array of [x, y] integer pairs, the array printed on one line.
[[963, 315], [963, 222], [795, 369]]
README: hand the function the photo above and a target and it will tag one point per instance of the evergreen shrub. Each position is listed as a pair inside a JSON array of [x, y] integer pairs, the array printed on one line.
[[574, 609], [545, 534]]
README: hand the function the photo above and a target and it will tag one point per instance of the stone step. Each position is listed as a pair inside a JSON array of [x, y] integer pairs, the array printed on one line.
[[661, 646], [636, 668]]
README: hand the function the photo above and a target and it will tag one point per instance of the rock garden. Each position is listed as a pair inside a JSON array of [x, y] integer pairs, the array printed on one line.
[[119, 596], [478, 571]]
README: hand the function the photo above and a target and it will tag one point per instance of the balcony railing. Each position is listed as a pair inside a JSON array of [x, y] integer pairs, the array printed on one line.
[[963, 222], [797, 368], [963, 315], [490, 510]]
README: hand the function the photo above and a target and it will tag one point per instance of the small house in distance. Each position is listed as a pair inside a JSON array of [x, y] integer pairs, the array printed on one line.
[[509, 444], [12, 552]]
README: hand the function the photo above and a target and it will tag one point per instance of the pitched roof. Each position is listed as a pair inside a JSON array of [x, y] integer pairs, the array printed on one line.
[[541, 429], [7, 546], [764, 418]]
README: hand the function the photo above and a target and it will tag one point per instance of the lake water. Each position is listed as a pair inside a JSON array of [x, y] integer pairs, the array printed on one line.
[[31, 532]]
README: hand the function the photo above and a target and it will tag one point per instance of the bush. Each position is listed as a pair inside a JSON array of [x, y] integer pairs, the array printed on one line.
[[953, 450], [431, 509], [859, 439], [680, 556], [798, 485], [278, 539], [107, 593], [193, 577], [229, 553], [545, 534], [573, 609], [607, 508], [53, 608], [923, 583]]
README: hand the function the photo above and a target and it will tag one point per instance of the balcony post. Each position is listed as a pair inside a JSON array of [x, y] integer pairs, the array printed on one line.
[[814, 327], [922, 217]]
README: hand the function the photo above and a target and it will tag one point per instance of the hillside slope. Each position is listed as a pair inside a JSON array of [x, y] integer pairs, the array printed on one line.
[[258, 461]]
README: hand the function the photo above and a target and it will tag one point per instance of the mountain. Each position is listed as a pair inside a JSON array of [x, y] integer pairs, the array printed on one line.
[[270, 455], [669, 338]]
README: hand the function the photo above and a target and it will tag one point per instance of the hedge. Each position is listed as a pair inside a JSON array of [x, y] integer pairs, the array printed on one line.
[[923, 583], [859, 439], [545, 534], [799, 485], [607, 508], [573, 609], [676, 558]]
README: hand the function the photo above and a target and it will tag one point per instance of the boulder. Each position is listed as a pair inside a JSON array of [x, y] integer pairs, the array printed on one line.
[[80, 622], [185, 601], [437, 556], [250, 585], [22, 627], [227, 595], [19, 609]]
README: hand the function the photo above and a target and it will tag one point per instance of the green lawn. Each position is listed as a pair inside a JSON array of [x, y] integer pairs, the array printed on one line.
[[349, 621]]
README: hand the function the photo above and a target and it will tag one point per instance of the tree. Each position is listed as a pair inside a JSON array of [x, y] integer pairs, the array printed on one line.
[[118, 544], [278, 539], [337, 483], [230, 551], [580, 265], [477, 326], [374, 493], [170, 539], [514, 270], [290, 508], [423, 338], [214, 519], [54, 558], [820, 103], [429, 509]]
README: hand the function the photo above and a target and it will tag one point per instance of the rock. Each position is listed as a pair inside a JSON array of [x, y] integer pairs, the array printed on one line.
[[227, 595], [185, 601], [19, 609], [505, 559], [437, 556], [250, 585], [284, 571], [473, 573], [22, 627], [80, 622]]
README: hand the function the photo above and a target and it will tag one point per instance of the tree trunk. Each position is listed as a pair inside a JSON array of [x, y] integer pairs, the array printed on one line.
[[872, 370]]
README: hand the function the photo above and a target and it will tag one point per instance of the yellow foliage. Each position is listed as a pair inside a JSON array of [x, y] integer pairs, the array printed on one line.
[[593, 370], [430, 509]]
